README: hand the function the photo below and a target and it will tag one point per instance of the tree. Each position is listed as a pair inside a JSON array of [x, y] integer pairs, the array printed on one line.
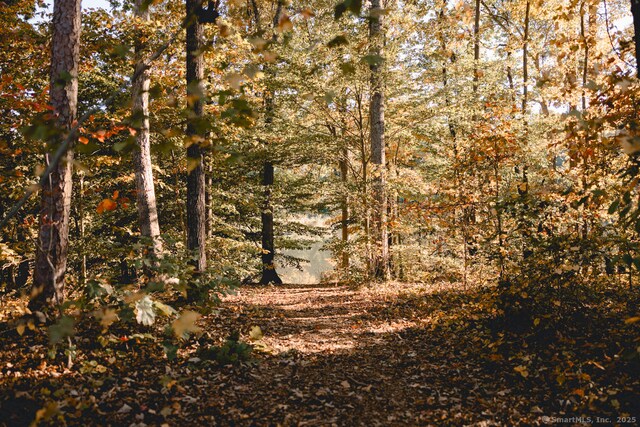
[[145, 190], [269, 273], [196, 214], [635, 11], [53, 234], [378, 149]]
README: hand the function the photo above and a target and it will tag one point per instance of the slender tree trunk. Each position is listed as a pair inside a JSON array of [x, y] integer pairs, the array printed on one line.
[[476, 47], [378, 149], [457, 176], [587, 36], [525, 68], [635, 11], [176, 192], [196, 215], [269, 273], [208, 201], [344, 220], [83, 265], [145, 191], [53, 235]]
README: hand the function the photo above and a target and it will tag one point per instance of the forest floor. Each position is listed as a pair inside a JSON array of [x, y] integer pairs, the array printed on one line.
[[332, 355]]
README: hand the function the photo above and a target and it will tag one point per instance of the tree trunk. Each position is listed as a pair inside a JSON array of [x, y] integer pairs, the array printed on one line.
[[476, 48], [635, 11], [376, 120], [53, 235], [208, 201], [269, 273], [196, 215], [344, 220], [145, 191], [83, 265], [525, 69]]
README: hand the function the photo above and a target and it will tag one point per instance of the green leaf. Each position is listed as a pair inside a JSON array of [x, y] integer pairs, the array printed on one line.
[[614, 206], [338, 41], [347, 68], [339, 10], [354, 6], [170, 350], [372, 59], [61, 330]]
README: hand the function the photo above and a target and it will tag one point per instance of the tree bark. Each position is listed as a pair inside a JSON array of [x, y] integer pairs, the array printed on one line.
[[476, 47], [196, 215], [525, 68], [208, 201], [269, 273], [145, 191], [378, 151], [53, 235], [83, 265], [344, 206], [635, 11]]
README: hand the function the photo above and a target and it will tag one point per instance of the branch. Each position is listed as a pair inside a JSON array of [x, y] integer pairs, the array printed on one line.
[[66, 143]]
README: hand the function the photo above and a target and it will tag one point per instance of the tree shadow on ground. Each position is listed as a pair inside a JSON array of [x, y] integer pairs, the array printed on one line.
[[334, 356]]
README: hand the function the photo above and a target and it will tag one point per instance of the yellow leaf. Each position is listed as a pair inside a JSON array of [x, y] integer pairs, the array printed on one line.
[[256, 333], [192, 164], [106, 316], [224, 30], [185, 323], [20, 329], [631, 320], [46, 413], [307, 13], [522, 370], [285, 24], [234, 80]]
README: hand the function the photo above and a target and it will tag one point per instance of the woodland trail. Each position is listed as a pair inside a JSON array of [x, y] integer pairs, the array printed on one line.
[[390, 355], [336, 356]]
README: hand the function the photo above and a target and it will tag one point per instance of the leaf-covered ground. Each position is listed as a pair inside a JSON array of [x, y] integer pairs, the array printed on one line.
[[331, 355]]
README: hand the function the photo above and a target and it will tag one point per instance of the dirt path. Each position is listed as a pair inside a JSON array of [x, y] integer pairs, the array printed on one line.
[[402, 355], [342, 357]]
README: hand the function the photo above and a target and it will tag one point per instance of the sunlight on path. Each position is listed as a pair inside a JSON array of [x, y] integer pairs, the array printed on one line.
[[316, 318]]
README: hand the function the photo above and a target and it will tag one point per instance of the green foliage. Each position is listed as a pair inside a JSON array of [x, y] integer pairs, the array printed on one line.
[[232, 352]]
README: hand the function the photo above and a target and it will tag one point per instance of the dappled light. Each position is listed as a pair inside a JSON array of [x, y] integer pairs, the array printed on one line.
[[319, 213]]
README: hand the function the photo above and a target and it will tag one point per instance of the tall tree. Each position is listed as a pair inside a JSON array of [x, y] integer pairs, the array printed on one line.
[[635, 11], [196, 215], [269, 273], [53, 235], [378, 149], [145, 191]]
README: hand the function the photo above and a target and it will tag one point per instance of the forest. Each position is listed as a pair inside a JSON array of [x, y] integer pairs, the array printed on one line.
[[320, 212]]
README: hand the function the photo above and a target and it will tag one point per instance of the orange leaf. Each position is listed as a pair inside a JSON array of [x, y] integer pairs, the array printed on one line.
[[106, 205], [115, 195], [83, 140], [100, 135]]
